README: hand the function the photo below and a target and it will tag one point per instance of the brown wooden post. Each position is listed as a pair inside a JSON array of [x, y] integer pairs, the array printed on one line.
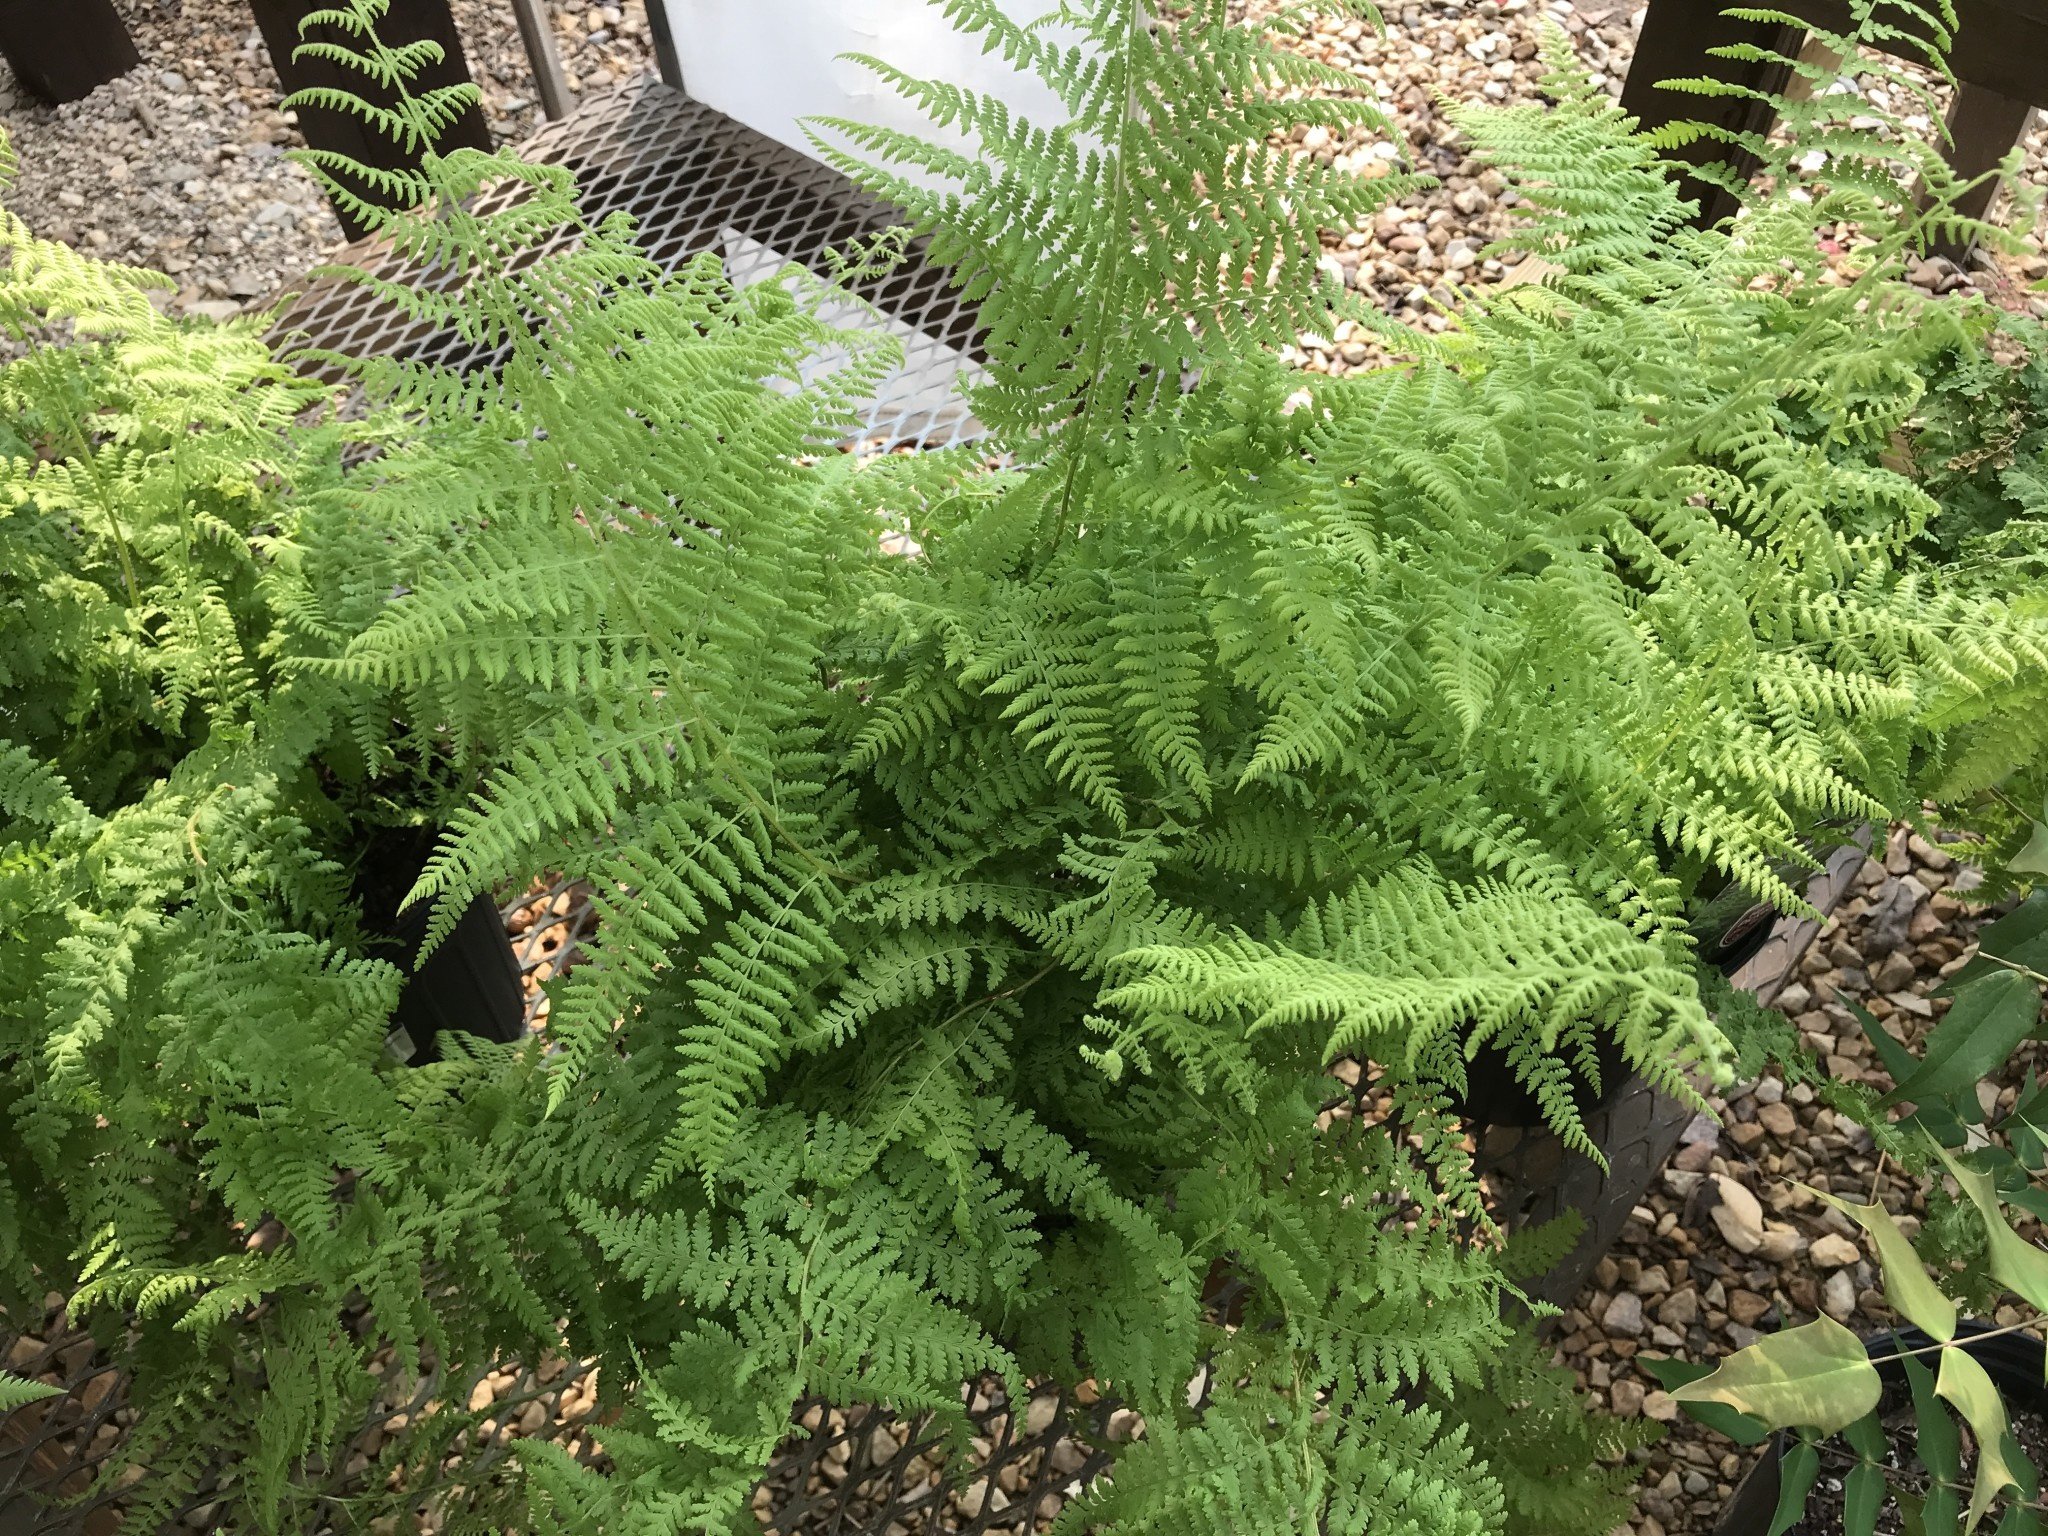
[[407, 21], [61, 58], [1673, 46], [1983, 126]]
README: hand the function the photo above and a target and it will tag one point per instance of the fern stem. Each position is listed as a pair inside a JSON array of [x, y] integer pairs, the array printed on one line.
[[1109, 286], [44, 357]]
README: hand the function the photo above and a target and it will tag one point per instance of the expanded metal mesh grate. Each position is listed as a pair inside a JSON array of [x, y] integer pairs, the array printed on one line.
[[694, 180], [858, 1471]]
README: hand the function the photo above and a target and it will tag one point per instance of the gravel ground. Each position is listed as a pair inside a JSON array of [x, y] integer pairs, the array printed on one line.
[[178, 165], [1414, 260]]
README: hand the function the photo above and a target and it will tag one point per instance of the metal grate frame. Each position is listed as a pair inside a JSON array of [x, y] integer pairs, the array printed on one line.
[[694, 180]]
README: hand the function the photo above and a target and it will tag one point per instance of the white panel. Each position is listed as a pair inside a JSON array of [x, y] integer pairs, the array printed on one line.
[[770, 63]]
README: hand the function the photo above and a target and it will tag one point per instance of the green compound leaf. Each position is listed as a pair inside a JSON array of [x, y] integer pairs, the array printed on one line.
[[1816, 1377], [1866, 1438], [2019, 938], [1863, 1489], [2032, 859], [1898, 1061], [1862, 1494], [1940, 1451], [1938, 1447], [1964, 1382], [2019, 1518], [1906, 1286], [2027, 1126]]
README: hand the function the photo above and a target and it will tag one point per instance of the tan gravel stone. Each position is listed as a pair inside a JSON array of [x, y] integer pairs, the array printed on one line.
[[1832, 1251], [1738, 1215], [1778, 1119]]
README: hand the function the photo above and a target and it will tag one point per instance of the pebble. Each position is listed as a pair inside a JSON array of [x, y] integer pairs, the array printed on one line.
[[1745, 1307], [1838, 1296], [1040, 1414], [1773, 1255], [1624, 1315], [1937, 274], [1681, 1309], [1895, 971], [1694, 1157], [1778, 1119], [1832, 1251], [1781, 1243], [1890, 919], [1737, 1214]]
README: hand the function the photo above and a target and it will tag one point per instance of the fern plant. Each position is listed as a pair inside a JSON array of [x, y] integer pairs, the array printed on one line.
[[977, 929], [1980, 450]]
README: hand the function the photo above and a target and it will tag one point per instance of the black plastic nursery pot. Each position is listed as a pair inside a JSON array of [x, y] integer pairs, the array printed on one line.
[[1495, 1096], [2015, 1362], [471, 980]]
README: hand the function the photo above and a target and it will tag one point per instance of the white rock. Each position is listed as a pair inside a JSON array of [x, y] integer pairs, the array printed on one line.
[[1040, 1413], [1838, 1296], [1738, 1215], [1831, 1250], [1782, 1243]]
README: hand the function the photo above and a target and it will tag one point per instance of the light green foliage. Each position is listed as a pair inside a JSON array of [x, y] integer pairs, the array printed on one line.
[[139, 461], [1815, 1376], [16, 1393], [1871, 171], [976, 929]]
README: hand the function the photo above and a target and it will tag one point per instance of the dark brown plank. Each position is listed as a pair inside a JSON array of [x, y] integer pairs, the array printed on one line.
[[1983, 126], [1674, 44], [2002, 44], [408, 21], [58, 61], [2005, 49]]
